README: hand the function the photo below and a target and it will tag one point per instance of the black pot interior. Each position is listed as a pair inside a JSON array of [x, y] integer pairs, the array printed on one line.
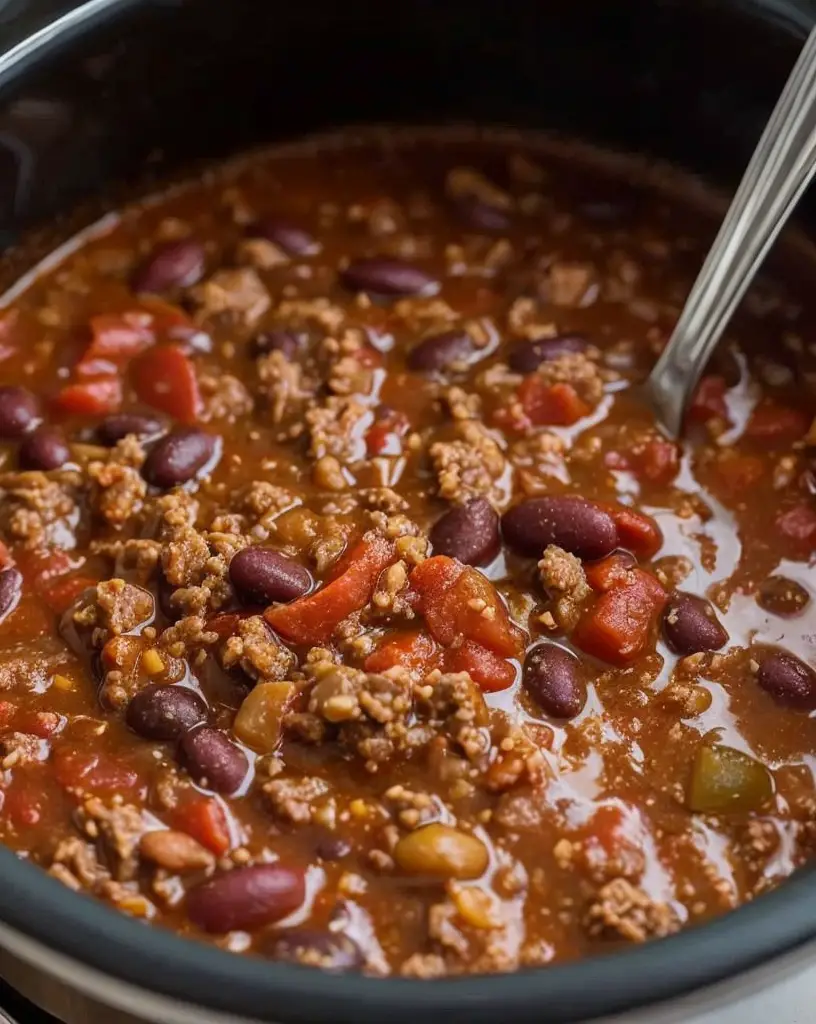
[[158, 86]]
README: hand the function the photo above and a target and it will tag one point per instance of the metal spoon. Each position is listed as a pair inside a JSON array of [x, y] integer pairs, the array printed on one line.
[[779, 172]]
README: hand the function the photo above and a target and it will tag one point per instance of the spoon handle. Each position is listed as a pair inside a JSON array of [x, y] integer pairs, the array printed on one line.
[[779, 172]]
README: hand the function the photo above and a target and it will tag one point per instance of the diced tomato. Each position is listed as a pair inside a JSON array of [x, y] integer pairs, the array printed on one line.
[[23, 804], [97, 772], [204, 819], [384, 436], [118, 337], [612, 841], [224, 624], [617, 627], [91, 397], [772, 422], [42, 724], [164, 378], [545, 404], [313, 619], [411, 650], [708, 401], [42, 565], [739, 472], [60, 594], [459, 602], [798, 525], [609, 572], [485, 668], [637, 532], [657, 461]]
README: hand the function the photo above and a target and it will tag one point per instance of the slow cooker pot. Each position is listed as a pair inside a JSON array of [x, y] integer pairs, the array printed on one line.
[[104, 96]]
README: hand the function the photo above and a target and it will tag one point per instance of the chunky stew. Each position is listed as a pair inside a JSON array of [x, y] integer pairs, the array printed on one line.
[[355, 612]]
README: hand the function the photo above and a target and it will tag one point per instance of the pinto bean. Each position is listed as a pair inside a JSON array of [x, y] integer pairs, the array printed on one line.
[[174, 851], [439, 851]]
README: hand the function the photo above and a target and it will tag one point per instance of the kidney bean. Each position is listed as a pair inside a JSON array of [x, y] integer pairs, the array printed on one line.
[[212, 759], [289, 343], [469, 532], [331, 951], [552, 677], [113, 428], [171, 265], [11, 586], [788, 680], [386, 275], [261, 576], [526, 356], [441, 351], [44, 448], [246, 898], [440, 851], [19, 411], [160, 712], [690, 626], [294, 240], [481, 216], [179, 457], [571, 523]]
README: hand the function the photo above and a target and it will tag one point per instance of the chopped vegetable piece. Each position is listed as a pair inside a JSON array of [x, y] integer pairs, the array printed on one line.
[[708, 401], [609, 572], [91, 398], [557, 405], [259, 721], [165, 379], [203, 818], [657, 461], [617, 627], [414, 650], [724, 779], [485, 668], [776, 423], [637, 532], [121, 336], [313, 619], [93, 771]]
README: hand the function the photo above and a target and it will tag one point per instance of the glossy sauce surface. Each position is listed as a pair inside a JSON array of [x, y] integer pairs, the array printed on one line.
[[355, 612]]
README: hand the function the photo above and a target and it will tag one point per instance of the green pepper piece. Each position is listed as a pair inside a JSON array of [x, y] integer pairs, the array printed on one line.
[[724, 779]]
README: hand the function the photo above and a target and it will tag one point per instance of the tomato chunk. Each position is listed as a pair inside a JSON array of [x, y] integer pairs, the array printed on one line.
[[637, 532], [557, 405], [609, 572], [204, 819], [772, 422], [708, 401], [459, 602], [384, 436], [164, 378], [411, 650], [60, 594], [657, 461], [617, 627], [490, 672], [91, 398], [97, 772], [739, 472], [313, 619], [120, 336]]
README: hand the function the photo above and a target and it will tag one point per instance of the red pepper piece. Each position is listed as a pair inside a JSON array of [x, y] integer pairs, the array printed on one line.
[[637, 532], [617, 627], [164, 378], [557, 405], [91, 398], [708, 401], [411, 650], [204, 819], [314, 618], [490, 672]]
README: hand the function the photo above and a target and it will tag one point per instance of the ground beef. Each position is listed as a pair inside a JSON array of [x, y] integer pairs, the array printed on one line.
[[563, 577], [576, 369], [40, 509], [114, 607], [117, 828], [281, 385], [20, 669], [134, 554], [224, 397], [471, 466], [293, 800], [454, 704], [117, 487], [187, 636], [19, 748], [259, 504], [255, 651], [621, 909], [240, 294], [336, 428], [390, 596], [76, 864]]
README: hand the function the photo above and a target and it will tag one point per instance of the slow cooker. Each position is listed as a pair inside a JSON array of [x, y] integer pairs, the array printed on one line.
[[111, 95]]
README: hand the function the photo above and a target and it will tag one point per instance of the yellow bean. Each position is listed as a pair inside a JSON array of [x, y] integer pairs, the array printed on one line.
[[440, 851]]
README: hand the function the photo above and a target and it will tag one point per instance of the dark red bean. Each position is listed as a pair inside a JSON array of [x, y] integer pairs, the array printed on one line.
[[246, 898], [294, 241], [781, 596], [113, 428], [469, 532], [19, 411], [11, 587], [331, 951], [386, 275], [571, 523], [44, 448], [690, 626], [213, 760], [161, 712], [526, 356], [481, 216], [170, 265], [552, 677], [439, 352], [261, 576], [290, 343], [788, 680], [179, 457]]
